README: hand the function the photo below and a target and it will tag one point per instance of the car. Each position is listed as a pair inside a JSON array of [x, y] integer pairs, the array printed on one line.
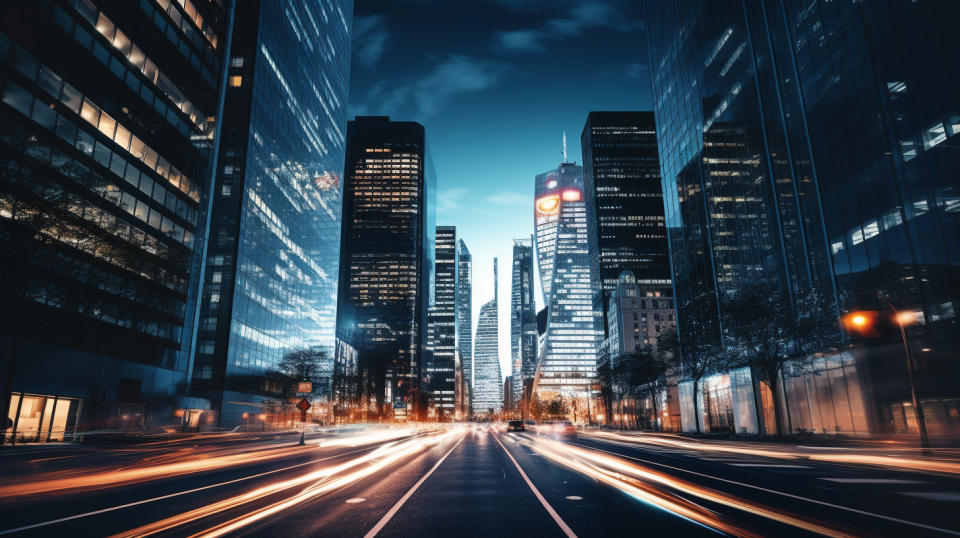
[[516, 426]]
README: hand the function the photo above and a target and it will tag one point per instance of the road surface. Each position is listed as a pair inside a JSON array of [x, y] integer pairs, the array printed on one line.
[[473, 481]]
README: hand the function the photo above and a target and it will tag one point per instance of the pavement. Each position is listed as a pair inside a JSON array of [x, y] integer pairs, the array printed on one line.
[[474, 481]]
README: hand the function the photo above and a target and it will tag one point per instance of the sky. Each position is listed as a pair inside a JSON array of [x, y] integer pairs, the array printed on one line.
[[496, 83]]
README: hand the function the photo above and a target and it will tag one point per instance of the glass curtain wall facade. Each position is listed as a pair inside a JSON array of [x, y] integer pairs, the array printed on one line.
[[465, 313], [441, 372], [271, 267], [523, 318], [386, 259], [488, 380], [622, 173], [108, 121], [566, 249], [801, 145]]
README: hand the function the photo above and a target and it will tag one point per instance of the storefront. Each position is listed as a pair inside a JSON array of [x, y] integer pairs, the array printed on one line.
[[38, 418]]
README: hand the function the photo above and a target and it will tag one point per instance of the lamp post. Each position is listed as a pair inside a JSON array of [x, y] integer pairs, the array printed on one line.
[[861, 322]]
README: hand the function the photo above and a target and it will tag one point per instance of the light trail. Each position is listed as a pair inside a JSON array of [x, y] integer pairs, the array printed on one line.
[[316, 483], [646, 485], [180, 493], [811, 453]]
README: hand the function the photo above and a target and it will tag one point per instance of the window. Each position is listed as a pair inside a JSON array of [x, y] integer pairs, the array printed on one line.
[[236, 81], [217, 277], [909, 149], [934, 136], [236, 62]]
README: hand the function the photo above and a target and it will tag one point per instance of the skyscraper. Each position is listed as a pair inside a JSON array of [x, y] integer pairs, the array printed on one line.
[[523, 318], [386, 257], [271, 264], [568, 271], [488, 380], [622, 175], [109, 122], [441, 373], [800, 147], [465, 312]]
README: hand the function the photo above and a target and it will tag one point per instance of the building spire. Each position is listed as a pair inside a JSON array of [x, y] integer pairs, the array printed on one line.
[[494, 280], [564, 147]]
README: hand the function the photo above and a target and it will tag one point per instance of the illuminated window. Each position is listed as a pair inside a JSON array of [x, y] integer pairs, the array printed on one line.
[[236, 81], [934, 136], [236, 62]]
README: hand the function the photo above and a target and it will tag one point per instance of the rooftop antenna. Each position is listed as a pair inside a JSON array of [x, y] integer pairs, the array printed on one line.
[[564, 146]]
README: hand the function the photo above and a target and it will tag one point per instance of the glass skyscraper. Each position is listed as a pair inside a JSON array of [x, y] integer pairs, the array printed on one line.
[[566, 250], [441, 372], [523, 318], [386, 259], [488, 380], [622, 174], [801, 144], [108, 121], [272, 259], [465, 312]]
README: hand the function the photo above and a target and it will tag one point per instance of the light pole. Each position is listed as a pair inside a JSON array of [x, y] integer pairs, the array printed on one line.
[[861, 322]]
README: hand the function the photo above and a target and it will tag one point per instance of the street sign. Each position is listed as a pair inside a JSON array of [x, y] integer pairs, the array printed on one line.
[[305, 387], [303, 405]]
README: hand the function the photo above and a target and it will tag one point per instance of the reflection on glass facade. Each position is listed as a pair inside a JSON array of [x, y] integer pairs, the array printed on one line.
[[465, 312], [488, 380], [108, 135], [441, 372], [801, 144], [566, 251], [622, 174], [386, 261], [523, 318], [270, 281]]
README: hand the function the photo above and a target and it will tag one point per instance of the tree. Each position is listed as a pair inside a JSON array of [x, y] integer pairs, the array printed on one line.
[[605, 379], [698, 358], [302, 365], [642, 367], [557, 408]]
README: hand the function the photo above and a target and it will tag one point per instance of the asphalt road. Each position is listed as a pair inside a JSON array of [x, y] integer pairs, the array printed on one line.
[[472, 482]]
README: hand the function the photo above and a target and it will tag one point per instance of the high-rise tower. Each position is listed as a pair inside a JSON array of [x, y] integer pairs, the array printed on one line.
[[523, 318], [441, 372], [566, 250], [386, 257], [488, 380], [465, 312]]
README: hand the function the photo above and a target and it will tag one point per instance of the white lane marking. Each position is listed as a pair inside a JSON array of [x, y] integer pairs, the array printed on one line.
[[872, 481], [790, 495], [945, 496], [355, 500], [574, 498], [396, 508], [771, 465], [553, 513], [177, 494]]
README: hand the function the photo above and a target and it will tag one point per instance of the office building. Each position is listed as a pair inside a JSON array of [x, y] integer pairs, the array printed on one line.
[[488, 380], [465, 313], [636, 316], [440, 374], [523, 318], [622, 175], [109, 121], [386, 259], [566, 250], [802, 147], [270, 281]]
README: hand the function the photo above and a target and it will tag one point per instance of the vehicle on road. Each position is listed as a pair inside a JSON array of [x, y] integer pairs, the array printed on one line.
[[516, 426]]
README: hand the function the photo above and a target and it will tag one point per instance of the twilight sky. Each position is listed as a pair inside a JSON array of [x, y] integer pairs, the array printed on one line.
[[495, 83]]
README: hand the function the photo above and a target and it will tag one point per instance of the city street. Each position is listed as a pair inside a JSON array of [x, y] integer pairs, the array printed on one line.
[[474, 481]]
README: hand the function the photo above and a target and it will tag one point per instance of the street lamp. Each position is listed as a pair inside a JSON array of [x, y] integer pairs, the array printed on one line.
[[862, 322]]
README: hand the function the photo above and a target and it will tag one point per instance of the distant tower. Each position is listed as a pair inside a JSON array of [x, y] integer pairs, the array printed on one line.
[[488, 381], [523, 318]]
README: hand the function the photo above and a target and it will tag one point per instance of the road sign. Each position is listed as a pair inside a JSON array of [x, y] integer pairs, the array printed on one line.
[[305, 387], [303, 405]]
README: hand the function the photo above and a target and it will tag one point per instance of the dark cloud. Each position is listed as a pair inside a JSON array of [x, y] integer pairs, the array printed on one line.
[[370, 36]]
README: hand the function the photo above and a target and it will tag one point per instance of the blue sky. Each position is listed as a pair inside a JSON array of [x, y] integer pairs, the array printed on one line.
[[495, 84]]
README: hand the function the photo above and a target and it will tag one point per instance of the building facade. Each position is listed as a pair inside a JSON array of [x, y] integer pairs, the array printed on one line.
[[566, 250], [636, 316], [386, 259], [272, 259], [465, 314], [622, 174], [488, 380], [801, 146], [109, 122], [523, 318], [440, 374]]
